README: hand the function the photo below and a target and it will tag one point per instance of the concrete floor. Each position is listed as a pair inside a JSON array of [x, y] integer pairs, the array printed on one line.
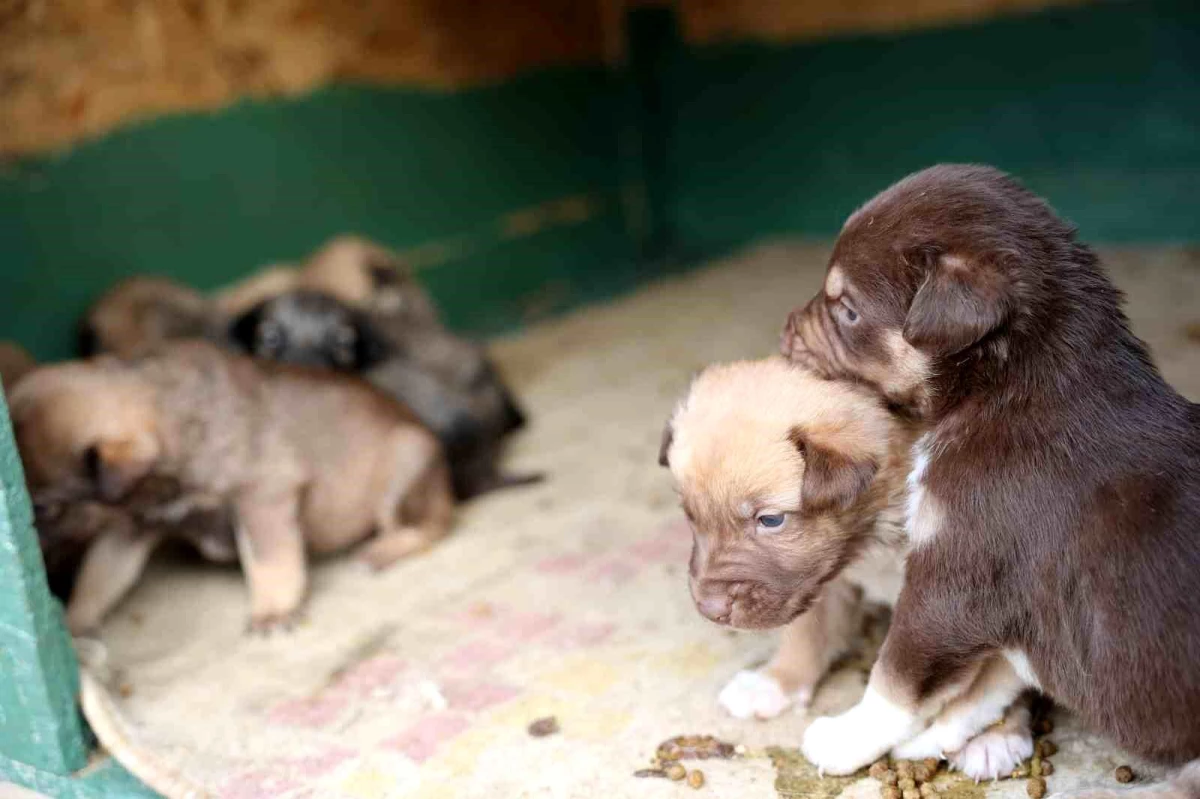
[[567, 599]]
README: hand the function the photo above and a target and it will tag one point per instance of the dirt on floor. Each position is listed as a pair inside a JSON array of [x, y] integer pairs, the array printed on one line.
[[564, 600]]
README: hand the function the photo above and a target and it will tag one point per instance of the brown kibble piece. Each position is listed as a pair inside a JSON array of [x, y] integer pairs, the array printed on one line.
[[695, 778], [1043, 726], [1036, 788], [1035, 766], [905, 769], [878, 769], [1124, 774], [543, 727], [676, 772], [922, 773], [1047, 748], [891, 792], [911, 793], [907, 784], [890, 777], [928, 790], [125, 690], [649, 772], [1021, 771], [932, 763], [1047, 768]]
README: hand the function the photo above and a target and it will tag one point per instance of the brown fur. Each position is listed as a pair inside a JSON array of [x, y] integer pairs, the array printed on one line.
[[142, 311], [1065, 471], [15, 363], [306, 459]]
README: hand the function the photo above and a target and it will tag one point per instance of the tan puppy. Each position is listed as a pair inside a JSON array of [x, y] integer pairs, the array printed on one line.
[[795, 490], [302, 457], [15, 363], [143, 310]]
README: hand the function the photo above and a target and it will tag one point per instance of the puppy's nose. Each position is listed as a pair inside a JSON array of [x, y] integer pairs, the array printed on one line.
[[715, 607]]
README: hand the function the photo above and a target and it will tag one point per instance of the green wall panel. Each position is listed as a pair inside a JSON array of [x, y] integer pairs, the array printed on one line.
[[207, 197], [1098, 107]]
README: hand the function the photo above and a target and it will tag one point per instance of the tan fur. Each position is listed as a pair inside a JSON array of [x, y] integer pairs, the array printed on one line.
[[143, 310], [271, 281], [307, 459]]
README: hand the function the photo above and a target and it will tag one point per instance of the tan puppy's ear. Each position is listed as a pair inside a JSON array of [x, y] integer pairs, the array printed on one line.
[[958, 304], [117, 464], [668, 435], [832, 480]]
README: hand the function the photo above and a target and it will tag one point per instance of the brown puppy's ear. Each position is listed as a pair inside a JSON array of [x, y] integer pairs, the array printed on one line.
[[668, 436], [958, 304], [832, 481], [116, 465]]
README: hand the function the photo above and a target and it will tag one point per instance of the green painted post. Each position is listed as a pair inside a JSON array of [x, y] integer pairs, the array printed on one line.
[[39, 722]]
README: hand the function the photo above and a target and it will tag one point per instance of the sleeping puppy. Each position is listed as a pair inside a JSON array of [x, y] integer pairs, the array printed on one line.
[[15, 363], [94, 551], [1054, 504], [141, 311], [794, 487], [447, 381], [305, 459]]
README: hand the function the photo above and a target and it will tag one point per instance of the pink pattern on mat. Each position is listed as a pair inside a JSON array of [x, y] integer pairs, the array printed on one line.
[[261, 784], [584, 635], [478, 654], [313, 712], [422, 740], [363, 678], [474, 696], [562, 564], [526, 626], [615, 571]]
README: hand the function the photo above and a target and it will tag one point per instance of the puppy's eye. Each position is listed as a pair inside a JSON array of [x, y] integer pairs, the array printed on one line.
[[848, 314], [768, 522], [269, 338]]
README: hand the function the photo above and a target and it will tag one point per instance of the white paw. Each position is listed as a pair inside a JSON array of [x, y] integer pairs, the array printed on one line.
[[756, 694], [838, 745], [937, 740], [993, 754]]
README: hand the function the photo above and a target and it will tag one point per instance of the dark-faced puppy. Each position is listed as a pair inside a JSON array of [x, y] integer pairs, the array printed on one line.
[[142, 311], [447, 381], [1054, 504]]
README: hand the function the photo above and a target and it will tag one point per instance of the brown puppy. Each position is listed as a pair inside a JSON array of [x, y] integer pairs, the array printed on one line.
[[15, 363], [302, 457], [141, 311], [795, 490], [1054, 506]]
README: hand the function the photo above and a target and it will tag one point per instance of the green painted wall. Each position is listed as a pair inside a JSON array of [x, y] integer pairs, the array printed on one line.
[[1097, 107]]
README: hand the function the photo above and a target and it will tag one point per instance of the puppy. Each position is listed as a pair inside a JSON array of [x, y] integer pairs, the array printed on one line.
[[15, 363], [94, 552], [1054, 503], [795, 488], [303, 458], [360, 312], [141, 311]]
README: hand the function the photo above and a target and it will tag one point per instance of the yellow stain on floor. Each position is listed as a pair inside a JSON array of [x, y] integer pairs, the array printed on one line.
[[583, 675], [689, 660]]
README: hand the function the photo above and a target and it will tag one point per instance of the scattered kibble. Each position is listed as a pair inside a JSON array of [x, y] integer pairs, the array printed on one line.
[[1047, 768], [890, 777], [911, 793], [905, 769], [1124, 774], [878, 769], [1036, 788], [695, 778], [1021, 771], [649, 772], [694, 747], [907, 784], [125, 690], [891, 792], [1035, 766], [932, 763], [1046, 748], [543, 727], [923, 773], [928, 790], [676, 772]]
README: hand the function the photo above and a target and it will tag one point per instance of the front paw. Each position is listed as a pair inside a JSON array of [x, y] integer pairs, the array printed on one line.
[[837, 745], [756, 694], [266, 624], [993, 754]]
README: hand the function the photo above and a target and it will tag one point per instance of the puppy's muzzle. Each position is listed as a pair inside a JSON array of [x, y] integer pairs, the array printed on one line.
[[801, 339], [713, 599]]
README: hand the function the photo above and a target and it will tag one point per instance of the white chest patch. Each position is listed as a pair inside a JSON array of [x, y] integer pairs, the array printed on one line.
[[1021, 665], [923, 518]]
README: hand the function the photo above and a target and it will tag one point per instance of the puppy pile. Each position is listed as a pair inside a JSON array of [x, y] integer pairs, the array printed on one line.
[[964, 396], [304, 410]]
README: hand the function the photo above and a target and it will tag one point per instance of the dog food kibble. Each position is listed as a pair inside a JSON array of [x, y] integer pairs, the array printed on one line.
[[1035, 766], [905, 769], [695, 778], [907, 784], [1020, 772], [1124, 774], [928, 790], [1047, 768], [878, 769], [1036, 788], [923, 773], [911, 793], [1046, 748], [676, 772], [543, 727], [649, 772], [932, 764], [891, 792]]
